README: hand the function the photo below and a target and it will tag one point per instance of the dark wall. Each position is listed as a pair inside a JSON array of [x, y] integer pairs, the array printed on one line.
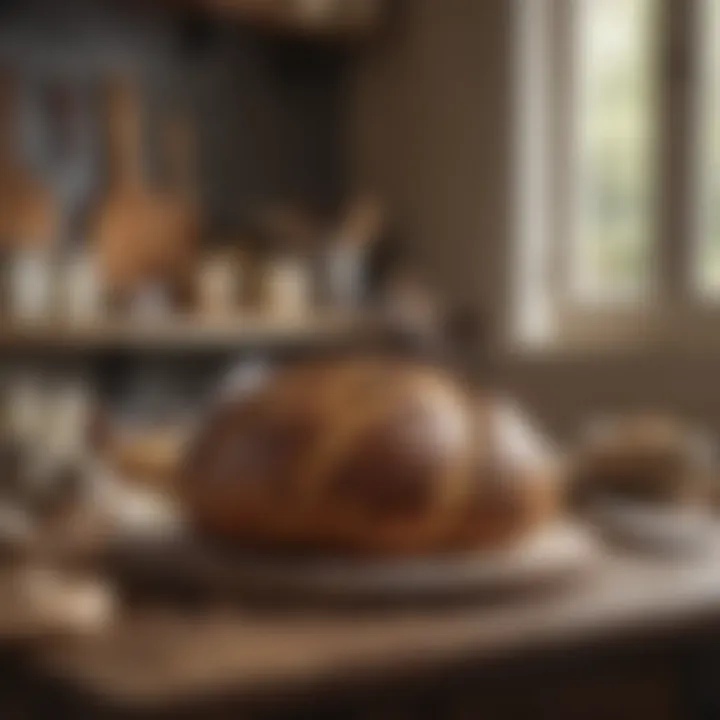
[[267, 110], [270, 112], [430, 107]]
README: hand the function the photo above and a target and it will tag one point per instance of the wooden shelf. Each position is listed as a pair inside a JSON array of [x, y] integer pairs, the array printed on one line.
[[322, 19], [190, 334]]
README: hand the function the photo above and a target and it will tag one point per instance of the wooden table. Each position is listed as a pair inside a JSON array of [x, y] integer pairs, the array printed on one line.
[[634, 637]]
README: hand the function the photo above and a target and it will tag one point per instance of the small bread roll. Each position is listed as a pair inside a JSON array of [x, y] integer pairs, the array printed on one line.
[[648, 458]]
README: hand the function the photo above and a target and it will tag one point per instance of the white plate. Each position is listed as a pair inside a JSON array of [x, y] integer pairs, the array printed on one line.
[[551, 555], [655, 528]]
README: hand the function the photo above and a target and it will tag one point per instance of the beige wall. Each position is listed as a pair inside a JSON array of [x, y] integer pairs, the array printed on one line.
[[431, 108], [429, 119], [565, 391]]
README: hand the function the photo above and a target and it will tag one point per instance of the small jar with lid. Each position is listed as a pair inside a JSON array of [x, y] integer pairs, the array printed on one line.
[[81, 295], [220, 281], [31, 285], [287, 286]]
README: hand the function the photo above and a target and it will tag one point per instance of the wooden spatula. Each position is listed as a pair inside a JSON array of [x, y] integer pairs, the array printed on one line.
[[143, 234]]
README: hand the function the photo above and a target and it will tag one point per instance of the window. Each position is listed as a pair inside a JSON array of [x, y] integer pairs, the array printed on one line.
[[615, 148], [707, 261], [618, 169]]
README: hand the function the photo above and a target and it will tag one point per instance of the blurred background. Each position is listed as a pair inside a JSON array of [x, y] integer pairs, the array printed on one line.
[[192, 190], [195, 181], [177, 196]]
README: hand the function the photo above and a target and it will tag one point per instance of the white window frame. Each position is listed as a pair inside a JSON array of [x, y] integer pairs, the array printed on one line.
[[675, 316]]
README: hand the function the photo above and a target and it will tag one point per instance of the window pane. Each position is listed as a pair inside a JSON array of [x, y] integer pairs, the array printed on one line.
[[708, 256], [615, 149]]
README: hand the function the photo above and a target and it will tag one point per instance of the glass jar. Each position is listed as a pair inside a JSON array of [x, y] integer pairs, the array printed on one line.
[[31, 285], [81, 296], [219, 285], [287, 287]]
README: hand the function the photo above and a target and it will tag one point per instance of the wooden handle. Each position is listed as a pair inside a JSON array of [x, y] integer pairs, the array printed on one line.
[[363, 223], [29, 214], [125, 136]]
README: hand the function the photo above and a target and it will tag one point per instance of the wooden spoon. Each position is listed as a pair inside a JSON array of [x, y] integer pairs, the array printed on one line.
[[123, 220]]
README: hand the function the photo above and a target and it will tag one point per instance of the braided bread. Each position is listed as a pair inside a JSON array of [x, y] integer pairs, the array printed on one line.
[[366, 456]]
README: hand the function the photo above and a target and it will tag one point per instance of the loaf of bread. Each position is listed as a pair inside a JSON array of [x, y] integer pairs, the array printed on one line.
[[367, 456]]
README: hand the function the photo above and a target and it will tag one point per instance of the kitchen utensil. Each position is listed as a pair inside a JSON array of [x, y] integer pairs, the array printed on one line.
[[219, 284], [31, 285], [122, 230], [29, 214], [288, 288], [62, 143], [346, 256], [145, 237], [176, 220], [82, 296]]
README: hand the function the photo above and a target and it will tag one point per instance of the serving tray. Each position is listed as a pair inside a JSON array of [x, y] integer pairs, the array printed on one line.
[[182, 562]]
